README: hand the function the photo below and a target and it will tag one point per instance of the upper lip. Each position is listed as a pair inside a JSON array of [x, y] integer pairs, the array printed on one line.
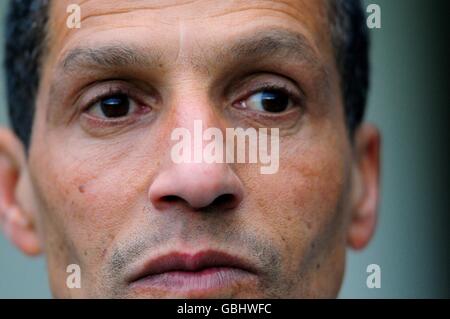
[[179, 261]]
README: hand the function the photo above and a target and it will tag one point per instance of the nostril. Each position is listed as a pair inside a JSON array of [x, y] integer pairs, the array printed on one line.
[[167, 201], [196, 187], [225, 201], [170, 198]]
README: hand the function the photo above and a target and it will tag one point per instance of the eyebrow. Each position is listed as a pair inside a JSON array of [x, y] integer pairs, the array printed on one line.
[[109, 56], [279, 43]]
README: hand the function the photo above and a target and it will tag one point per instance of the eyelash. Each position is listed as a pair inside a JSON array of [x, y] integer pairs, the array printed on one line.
[[111, 92], [296, 98]]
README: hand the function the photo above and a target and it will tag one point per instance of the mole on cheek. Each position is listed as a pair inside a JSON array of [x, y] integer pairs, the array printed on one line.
[[81, 188]]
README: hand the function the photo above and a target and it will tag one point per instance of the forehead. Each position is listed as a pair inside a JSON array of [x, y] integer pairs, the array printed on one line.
[[186, 22], [172, 11]]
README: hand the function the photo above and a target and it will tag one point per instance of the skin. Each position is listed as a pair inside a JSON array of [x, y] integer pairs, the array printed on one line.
[[94, 193]]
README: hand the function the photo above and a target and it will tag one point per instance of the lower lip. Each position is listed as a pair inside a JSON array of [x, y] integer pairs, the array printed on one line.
[[193, 281]]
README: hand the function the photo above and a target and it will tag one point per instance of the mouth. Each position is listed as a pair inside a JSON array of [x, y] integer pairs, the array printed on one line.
[[202, 272]]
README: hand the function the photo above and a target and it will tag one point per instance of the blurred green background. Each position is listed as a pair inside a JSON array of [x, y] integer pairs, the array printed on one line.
[[409, 101]]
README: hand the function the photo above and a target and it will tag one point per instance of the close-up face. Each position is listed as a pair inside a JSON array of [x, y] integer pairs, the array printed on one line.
[[99, 187]]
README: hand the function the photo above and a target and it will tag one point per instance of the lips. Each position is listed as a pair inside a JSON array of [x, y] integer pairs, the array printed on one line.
[[200, 272]]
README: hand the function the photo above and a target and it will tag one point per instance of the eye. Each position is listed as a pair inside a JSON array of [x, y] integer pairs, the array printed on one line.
[[113, 106], [268, 100]]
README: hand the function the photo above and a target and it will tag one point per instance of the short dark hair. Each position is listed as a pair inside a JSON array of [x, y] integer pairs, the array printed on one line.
[[26, 24], [351, 43], [26, 30]]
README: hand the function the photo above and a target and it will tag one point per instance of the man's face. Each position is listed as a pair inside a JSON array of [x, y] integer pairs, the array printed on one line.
[[106, 192]]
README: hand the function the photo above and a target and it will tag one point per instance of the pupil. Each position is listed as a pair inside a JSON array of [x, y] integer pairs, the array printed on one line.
[[274, 101], [115, 106]]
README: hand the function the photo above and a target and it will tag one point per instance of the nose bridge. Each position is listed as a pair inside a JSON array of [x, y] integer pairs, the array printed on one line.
[[194, 182], [194, 115]]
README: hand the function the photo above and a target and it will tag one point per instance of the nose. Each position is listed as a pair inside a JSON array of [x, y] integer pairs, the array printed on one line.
[[198, 186]]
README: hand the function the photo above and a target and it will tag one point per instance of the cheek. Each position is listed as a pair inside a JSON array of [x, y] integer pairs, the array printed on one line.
[[87, 199], [303, 205]]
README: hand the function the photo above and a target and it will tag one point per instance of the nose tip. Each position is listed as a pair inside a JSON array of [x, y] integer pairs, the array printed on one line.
[[197, 185]]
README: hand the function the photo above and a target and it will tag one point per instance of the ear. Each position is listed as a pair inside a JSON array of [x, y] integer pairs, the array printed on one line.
[[17, 224], [365, 186]]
